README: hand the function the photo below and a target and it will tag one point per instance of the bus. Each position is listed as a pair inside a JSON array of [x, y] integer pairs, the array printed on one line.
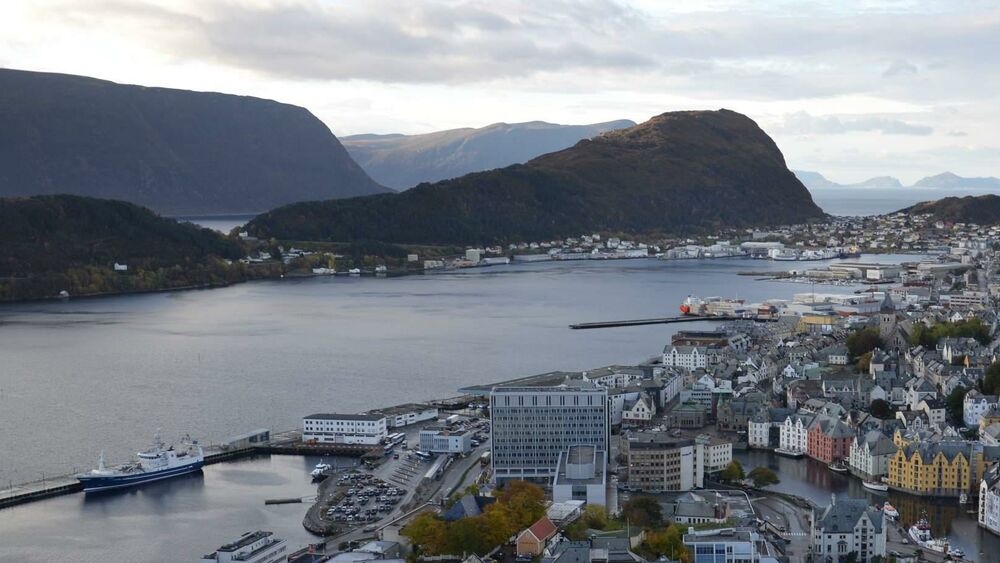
[[424, 455], [396, 439], [484, 459]]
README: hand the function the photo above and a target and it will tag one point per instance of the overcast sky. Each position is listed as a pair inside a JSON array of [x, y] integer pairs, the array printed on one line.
[[851, 89]]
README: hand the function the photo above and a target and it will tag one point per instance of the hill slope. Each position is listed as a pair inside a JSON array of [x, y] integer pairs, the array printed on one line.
[[677, 172], [176, 151], [403, 161], [63, 242], [983, 210], [949, 180]]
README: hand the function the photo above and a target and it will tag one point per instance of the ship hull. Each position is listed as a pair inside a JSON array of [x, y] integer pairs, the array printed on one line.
[[108, 482]]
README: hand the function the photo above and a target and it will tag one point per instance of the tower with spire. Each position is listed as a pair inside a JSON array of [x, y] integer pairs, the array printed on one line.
[[887, 321]]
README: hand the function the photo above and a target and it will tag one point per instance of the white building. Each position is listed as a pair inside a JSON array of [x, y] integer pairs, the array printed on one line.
[[639, 411], [252, 547], [441, 440], [531, 426], [870, 455], [727, 545], [370, 429], [794, 434], [405, 415], [581, 475], [976, 404], [989, 501], [687, 357], [759, 432], [717, 453], [847, 526]]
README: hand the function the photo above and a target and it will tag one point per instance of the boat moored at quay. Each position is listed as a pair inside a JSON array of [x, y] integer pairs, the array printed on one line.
[[156, 463]]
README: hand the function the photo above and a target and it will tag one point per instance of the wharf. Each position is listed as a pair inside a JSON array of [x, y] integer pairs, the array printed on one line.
[[654, 321]]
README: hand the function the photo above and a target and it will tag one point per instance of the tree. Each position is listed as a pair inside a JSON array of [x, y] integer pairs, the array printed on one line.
[[526, 502], [427, 531], [643, 511], [880, 408], [865, 362], [668, 543], [732, 472], [762, 477], [991, 381], [863, 341], [595, 517], [956, 404]]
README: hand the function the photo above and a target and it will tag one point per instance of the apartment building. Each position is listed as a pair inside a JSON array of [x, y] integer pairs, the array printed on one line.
[[368, 429]]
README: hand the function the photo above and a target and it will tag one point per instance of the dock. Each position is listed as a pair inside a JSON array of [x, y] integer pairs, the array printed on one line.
[[654, 321]]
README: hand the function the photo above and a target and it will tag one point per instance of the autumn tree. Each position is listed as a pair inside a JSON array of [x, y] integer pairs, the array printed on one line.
[[863, 341], [732, 472], [643, 511], [762, 477]]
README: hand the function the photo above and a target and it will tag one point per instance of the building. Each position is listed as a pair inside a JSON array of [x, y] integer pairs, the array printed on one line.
[[369, 429], [794, 434], [940, 468], [658, 462], [989, 501], [975, 406], [532, 540], [687, 357], [405, 415], [716, 452], [252, 547], [582, 475], [687, 415], [697, 508], [829, 439], [443, 440], [870, 455], [847, 526], [531, 426], [639, 411], [728, 545], [759, 431]]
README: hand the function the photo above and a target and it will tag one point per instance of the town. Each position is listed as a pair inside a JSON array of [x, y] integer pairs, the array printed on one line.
[[896, 386]]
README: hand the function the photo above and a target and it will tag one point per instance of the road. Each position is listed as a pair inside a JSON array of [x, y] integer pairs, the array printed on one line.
[[790, 517]]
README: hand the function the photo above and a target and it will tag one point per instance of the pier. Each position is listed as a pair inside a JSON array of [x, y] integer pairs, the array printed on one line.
[[654, 321]]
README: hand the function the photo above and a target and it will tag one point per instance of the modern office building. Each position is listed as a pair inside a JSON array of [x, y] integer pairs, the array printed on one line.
[[581, 475], [658, 462], [531, 426], [441, 440], [728, 545]]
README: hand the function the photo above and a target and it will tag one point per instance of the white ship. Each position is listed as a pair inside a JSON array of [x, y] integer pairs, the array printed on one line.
[[156, 463], [252, 547]]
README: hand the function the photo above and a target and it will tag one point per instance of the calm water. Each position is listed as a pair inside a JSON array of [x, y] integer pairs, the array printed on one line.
[[875, 201], [811, 479], [80, 376]]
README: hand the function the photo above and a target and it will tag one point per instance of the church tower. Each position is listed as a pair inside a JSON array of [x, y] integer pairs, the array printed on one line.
[[887, 322]]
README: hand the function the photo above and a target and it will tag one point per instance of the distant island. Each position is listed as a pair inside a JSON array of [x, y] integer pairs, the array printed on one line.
[[87, 246], [175, 151], [982, 210], [816, 181], [403, 161], [678, 172]]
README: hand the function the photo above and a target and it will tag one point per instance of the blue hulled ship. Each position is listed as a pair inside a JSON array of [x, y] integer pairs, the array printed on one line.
[[156, 463]]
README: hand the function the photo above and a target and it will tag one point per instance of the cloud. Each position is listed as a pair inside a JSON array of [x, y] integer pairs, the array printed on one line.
[[954, 133], [802, 123], [899, 68]]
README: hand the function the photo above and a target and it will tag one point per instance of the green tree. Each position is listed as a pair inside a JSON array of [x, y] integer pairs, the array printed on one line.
[[669, 543], [526, 502], [863, 341], [865, 362], [732, 472], [880, 408], [991, 381], [595, 517], [428, 532], [956, 404], [762, 477], [643, 511]]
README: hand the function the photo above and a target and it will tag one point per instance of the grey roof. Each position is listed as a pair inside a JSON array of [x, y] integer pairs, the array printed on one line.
[[887, 305], [569, 552], [331, 416], [879, 444], [841, 516], [929, 450]]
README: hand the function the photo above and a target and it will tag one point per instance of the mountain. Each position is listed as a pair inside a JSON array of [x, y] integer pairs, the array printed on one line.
[[949, 180], [403, 161], [816, 181], [176, 151], [64, 242], [982, 210], [678, 172]]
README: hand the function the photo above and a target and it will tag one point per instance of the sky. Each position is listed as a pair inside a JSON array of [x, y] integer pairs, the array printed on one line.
[[851, 89]]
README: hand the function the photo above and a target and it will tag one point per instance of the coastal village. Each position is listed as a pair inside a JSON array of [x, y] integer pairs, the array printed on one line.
[[896, 385]]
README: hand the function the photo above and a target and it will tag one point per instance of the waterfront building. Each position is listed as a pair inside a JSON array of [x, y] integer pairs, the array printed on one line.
[[759, 431], [729, 545], [870, 455], [716, 453], [368, 429], [531, 426], [975, 406], [581, 475], [658, 462], [794, 434], [989, 500], [847, 526], [439, 439], [829, 439], [405, 415], [687, 357], [252, 547], [938, 468]]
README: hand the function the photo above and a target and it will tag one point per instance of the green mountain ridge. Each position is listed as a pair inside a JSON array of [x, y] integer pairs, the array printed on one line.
[[176, 151], [678, 172], [982, 210]]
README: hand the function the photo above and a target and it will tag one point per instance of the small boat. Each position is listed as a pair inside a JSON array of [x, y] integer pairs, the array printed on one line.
[[839, 466], [890, 510], [920, 533], [875, 486], [320, 469], [354, 271], [956, 552], [788, 453]]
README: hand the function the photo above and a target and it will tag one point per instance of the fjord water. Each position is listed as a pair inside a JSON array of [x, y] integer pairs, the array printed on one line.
[[876, 201], [81, 376]]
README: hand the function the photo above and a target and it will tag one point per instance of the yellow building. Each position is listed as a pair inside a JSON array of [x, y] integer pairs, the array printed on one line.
[[940, 468]]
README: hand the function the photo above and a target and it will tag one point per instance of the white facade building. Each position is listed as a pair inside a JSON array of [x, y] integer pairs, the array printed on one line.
[[870, 455], [717, 453], [405, 415], [369, 429], [976, 404], [847, 526], [989, 501], [441, 440], [759, 432], [794, 434], [687, 357]]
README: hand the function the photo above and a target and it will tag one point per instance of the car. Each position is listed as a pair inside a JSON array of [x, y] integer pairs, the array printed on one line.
[[395, 456], [369, 529]]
